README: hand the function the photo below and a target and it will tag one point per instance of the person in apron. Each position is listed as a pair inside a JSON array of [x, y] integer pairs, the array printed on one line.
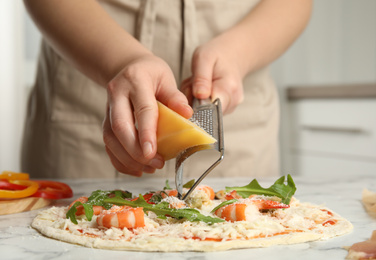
[[69, 128]]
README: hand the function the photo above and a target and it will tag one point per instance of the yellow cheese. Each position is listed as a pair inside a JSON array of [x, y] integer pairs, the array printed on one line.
[[176, 133]]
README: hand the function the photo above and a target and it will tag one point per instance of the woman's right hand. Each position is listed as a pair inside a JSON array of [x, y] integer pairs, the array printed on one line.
[[130, 124], [99, 47]]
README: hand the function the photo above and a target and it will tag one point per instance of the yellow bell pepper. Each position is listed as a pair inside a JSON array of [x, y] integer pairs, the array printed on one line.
[[8, 175], [31, 188]]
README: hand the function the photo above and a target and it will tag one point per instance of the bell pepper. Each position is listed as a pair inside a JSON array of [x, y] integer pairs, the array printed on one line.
[[14, 175], [13, 192], [6, 185], [53, 190]]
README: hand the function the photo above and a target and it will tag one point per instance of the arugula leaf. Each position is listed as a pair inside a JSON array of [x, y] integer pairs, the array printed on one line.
[[71, 214], [123, 194], [225, 203], [96, 199], [167, 186], [189, 184], [157, 197], [279, 189], [162, 210]]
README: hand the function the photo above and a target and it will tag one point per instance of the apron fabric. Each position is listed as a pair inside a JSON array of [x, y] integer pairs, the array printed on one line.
[[63, 128]]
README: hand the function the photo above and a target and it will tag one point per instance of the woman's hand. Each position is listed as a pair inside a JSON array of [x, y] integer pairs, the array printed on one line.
[[132, 98], [218, 66], [215, 74]]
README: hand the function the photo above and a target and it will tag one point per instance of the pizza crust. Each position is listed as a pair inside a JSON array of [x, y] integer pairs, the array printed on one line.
[[174, 236]]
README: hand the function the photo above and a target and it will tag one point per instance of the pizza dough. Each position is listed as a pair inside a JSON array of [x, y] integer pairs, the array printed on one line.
[[302, 222]]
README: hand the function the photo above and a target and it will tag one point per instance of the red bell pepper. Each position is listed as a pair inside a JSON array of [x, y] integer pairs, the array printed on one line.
[[53, 190]]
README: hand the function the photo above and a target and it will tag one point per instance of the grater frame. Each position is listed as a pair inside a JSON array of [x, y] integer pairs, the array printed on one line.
[[207, 115]]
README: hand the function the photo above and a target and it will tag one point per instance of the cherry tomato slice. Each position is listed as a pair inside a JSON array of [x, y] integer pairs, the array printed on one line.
[[53, 190]]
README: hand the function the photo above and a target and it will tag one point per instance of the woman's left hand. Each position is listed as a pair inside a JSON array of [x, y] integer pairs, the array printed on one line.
[[215, 74], [218, 66]]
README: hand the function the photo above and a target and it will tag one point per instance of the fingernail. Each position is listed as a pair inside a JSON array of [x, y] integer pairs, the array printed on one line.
[[201, 92], [156, 163], [188, 107], [148, 169], [147, 149]]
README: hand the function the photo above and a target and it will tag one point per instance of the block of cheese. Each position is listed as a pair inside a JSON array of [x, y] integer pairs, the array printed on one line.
[[176, 133]]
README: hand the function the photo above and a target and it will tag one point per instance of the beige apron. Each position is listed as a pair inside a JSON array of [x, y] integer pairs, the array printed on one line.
[[63, 129]]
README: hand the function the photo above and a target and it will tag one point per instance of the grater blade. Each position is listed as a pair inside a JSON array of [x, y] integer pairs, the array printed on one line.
[[208, 116]]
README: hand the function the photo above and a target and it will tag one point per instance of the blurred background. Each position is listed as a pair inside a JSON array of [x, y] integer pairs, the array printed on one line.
[[326, 80]]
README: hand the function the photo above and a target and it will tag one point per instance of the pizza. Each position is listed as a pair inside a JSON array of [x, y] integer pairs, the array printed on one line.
[[236, 217]]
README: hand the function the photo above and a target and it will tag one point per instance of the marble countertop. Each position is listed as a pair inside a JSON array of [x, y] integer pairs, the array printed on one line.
[[342, 194]]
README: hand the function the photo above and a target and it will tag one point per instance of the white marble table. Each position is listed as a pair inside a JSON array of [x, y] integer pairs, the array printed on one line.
[[340, 193]]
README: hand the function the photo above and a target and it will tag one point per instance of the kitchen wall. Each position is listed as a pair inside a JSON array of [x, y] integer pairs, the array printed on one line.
[[12, 87], [339, 46]]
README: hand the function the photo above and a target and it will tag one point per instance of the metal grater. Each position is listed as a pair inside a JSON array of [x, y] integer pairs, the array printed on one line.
[[208, 116]]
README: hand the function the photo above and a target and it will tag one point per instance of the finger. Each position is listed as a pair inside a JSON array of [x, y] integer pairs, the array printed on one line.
[[120, 158], [146, 116], [224, 97], [121, 167], [202, 76], [117, 150], [110, 142], [128, 168], [129, 151], [230, 92], [186, 89], [169, 95], [122, 125]]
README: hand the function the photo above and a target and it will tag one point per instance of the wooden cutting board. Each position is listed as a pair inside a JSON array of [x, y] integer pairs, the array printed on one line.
[[22, 205]]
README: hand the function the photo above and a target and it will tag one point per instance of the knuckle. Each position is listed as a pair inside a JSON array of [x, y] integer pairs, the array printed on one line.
[[234, 85], [145, 109], [200, 81], [107, 137], [130, 71], [111, 87], [202, 54], [240, 99], [138, 157], [134, 73], [117, 125]]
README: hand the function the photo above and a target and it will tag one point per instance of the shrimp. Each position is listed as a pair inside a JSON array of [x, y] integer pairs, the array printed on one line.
[[208, 190], [243, 211], [175, 203], [168, 193], [233, 195], [121, 217], [80, 209], [232, 212]]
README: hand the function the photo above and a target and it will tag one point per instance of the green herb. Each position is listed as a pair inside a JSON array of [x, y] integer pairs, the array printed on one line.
[[279, 189], [96, 199], [167, 186], [162, 210], [225, 203], [189, 184], [157, 197]]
